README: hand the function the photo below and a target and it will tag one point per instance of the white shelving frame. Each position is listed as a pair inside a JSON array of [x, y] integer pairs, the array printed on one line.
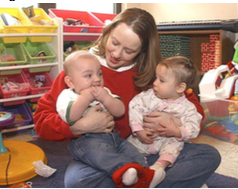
[[56, 66]]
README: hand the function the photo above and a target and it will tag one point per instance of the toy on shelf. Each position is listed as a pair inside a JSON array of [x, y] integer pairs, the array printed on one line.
[[32, 107], [36, 19], [10, 20], [39, 54], [5, 57], [12, 85], [70, 47], [75, 22]]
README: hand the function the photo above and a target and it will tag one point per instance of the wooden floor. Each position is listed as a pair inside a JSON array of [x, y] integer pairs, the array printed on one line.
[[228, 151]]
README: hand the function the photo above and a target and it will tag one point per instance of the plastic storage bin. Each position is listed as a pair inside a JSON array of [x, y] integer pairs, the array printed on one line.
[[95, 25], [40, 83], [81, 45], [24, 28], [9, 51], [221, 119], [103, 17], [16, 78], [21, 113], [42, 28], [32, 107], [31, 49]]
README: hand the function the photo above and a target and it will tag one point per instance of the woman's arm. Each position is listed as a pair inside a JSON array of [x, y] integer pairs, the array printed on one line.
[[152, 120], [95, 121]]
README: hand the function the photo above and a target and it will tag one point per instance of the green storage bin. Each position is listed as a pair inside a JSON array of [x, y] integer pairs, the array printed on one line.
[[33, 48], [81, 46], [11, 50]]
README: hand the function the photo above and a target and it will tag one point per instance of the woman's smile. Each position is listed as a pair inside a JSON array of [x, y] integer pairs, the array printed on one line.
[[113, 60]]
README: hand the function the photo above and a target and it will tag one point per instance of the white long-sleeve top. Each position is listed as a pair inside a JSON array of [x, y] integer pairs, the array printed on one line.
[[146, 102]]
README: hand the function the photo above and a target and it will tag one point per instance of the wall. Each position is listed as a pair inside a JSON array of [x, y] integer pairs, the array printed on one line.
[[188, 11], [164, 12]]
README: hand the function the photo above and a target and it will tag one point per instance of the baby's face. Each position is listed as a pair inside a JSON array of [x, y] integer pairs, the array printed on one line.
[[164, 85], [87, 73]]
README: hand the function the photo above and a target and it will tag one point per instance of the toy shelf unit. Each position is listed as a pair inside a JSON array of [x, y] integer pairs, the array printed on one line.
[[195, 44], [33, 66]]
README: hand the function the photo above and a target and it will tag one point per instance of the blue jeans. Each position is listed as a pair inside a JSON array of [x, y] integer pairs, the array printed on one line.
[[195, 164], [105, 152]]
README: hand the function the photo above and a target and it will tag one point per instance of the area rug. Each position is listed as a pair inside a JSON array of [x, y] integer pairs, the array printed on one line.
[[58, 157]]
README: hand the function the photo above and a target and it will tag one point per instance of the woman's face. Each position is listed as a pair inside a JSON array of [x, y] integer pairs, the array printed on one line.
[[122, 46]]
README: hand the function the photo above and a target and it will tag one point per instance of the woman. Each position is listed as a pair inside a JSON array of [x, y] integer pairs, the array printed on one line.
[[128, 51]]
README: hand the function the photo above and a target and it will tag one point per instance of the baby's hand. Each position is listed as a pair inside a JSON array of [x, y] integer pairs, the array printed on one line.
[[99, 93], [144, 136], [87, 94]]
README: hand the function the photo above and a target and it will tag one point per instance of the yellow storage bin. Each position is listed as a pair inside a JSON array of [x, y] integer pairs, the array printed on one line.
[[40, 14], [24, 28]]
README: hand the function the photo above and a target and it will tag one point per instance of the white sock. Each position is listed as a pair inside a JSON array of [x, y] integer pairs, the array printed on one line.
[[158, 175], [130, 177], [156, 165]]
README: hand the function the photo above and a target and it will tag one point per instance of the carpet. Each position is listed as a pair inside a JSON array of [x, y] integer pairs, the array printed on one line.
[[58, 157]]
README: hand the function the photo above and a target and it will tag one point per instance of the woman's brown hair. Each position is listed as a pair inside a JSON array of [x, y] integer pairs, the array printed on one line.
[[143, 24]]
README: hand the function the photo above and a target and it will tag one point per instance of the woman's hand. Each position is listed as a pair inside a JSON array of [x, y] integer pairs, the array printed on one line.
[[169, 130], [95, 121], [160, 122]]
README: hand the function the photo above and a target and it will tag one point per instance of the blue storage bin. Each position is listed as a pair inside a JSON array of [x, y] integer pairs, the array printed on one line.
[[22, 110]]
